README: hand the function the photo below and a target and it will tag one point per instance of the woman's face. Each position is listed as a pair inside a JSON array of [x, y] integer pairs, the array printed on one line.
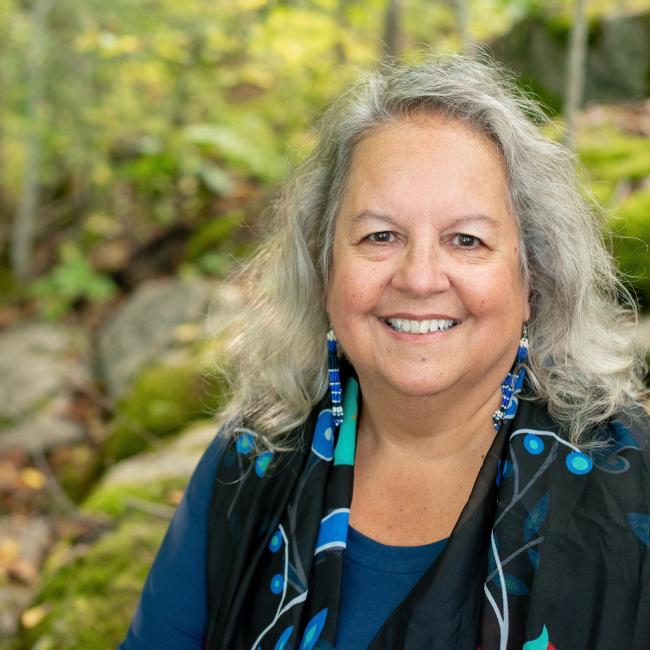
[[426, 294]]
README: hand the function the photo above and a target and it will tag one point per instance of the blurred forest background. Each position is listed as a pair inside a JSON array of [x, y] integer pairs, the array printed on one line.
[[140, 142]]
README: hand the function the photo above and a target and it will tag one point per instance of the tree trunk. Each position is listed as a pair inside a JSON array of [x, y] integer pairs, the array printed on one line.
[[575, 76], [342, 22], [392, 35], [462, 21], [24, 221]]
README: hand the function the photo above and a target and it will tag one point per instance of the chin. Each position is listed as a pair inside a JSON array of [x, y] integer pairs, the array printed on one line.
[[419, 386], [419, 390]]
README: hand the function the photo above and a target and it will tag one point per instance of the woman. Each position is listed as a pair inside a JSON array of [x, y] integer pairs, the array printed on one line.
[[484, 482]]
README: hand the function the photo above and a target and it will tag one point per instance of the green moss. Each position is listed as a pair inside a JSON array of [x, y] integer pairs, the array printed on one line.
[[161, 401], [91, 599], [610, 155], [631, 225], [113, 499], [76, 469]]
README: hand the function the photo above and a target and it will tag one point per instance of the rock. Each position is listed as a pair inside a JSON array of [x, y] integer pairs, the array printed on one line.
[[152, 477], [145, 327], [14, 599], [38, 361], [176, 460], [44, 431], [618, 57], [160, 402]]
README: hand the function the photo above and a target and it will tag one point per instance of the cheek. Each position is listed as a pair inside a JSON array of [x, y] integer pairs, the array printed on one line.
[[499, 291], [354, 288], [352, 295]]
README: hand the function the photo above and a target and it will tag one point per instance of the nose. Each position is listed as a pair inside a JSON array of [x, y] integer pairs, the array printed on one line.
[[421, 271]]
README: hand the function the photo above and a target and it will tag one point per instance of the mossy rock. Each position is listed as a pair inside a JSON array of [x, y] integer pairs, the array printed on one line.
[[631, 225], [161, 401], [610, 155], [91, 599], [114, 500]]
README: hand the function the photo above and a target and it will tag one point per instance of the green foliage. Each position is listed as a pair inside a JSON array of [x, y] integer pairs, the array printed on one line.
[[248, 145], [169, 109], [214, 245], [632, 243], [92, 594], [612, 156], [71, 280], [160, 402], [10, 290]]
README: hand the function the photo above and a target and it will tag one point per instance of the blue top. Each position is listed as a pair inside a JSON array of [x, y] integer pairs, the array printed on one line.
[[172, 612]]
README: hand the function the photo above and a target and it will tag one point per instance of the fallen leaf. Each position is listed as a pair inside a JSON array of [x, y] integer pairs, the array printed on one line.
[[32, 478], [23, 571], [174, 496], [34, 615], [9, 551], [187, 332]]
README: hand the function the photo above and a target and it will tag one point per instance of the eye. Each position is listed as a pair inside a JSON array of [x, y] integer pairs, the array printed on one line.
[[381, 237], [463, 240]]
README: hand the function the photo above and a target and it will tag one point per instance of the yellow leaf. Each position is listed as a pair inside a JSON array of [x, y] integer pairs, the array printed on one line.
[[32, 478], [34, 615], [187, 332], [9, 550], [174, 496]]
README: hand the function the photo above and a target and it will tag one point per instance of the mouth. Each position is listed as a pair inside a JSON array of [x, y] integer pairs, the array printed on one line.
[[410, 326]]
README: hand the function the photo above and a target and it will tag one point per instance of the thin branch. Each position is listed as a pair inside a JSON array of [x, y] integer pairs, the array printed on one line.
[[148, 507]]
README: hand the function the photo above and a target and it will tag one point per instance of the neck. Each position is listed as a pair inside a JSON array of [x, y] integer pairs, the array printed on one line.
[[441, 426]]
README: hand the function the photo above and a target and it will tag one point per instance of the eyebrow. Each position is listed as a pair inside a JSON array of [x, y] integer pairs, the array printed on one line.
[[470, 218], [366, 215]]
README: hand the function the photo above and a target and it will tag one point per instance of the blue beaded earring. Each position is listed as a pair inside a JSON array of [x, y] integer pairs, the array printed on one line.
[[514, 382], [334, 378]]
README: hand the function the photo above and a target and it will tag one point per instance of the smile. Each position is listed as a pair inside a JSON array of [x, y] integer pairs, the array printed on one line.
[[420, 326]]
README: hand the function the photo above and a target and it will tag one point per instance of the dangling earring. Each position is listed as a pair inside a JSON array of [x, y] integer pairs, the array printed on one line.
[[522, 352], [334, 378], [514, 382]]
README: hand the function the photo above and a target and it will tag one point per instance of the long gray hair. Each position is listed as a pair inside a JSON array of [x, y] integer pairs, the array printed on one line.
[[582, 359]]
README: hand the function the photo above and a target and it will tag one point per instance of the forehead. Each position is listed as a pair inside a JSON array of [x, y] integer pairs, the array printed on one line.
[[427, 162], [430, 135]]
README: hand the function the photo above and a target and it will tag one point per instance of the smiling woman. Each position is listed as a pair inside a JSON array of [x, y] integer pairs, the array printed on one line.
[[420, 184], [433, 440]]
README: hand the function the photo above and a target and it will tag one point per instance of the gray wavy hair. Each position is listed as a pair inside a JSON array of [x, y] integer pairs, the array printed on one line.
[[582, 359]]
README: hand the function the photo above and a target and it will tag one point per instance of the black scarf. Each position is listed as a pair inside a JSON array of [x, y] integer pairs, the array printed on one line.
[[552, 549]]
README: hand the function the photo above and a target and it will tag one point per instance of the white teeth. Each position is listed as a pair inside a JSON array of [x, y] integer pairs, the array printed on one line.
[[420, 326]]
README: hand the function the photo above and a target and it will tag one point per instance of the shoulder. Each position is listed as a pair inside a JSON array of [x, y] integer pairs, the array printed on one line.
[[616, 445], [624, 443], [605, 478], [621, 472]]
